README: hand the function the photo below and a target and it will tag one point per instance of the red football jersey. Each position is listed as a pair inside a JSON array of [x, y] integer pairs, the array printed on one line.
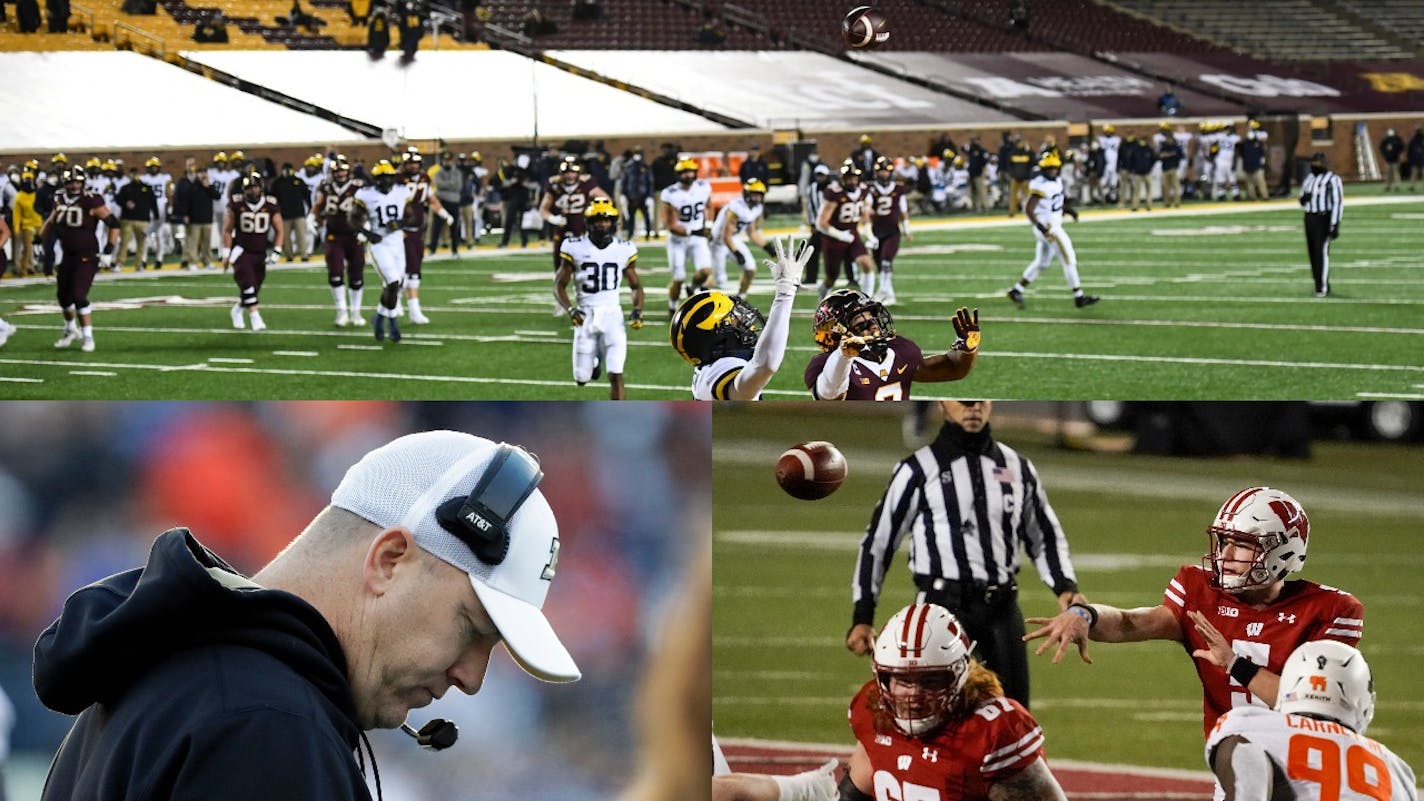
[[75, 222], [336, 202], [956, 763], [571, 201], [885, 206], [252, 222], [1304, 611], [419, 200], [846, 206], [888, 379]]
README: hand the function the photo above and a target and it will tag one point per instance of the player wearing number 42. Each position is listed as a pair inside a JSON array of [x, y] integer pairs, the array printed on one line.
[[1312, 747], [1236, 614], [598, 260]]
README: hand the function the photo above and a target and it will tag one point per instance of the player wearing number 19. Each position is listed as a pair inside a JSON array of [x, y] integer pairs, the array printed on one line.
[[378, 215], [252, 223], [1312, 747], [599, 261], [1236, 613]]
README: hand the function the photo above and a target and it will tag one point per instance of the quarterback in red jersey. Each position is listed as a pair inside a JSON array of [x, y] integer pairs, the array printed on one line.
[[934, 725], [1235, 613]]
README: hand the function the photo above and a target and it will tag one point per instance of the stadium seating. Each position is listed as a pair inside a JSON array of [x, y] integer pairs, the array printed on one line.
[[1403, 18], [1088, 28], [1313, 32]]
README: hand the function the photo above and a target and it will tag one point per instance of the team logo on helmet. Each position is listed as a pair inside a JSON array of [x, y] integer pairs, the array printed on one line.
[[602, 217], [848, 311], [712, 324], [1329, 679], [685, 165], [1050, 161], [921, 663], [1268, 523], [753, 187]]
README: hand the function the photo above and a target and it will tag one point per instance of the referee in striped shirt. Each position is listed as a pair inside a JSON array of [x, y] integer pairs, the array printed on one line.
[[811, 201], [967, 503], [1323, 198]]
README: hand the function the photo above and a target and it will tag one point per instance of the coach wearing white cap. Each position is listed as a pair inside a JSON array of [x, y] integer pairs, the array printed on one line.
[[193, 681]]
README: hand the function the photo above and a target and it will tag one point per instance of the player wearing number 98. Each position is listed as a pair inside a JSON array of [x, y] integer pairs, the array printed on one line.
[[377, 215], [597, 261], [252, 223], [1236, 614], [1312, 746], [684, 215], [934, 724]]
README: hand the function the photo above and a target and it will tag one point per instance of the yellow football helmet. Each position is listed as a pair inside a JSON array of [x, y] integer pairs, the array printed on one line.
[[31, 165], [59, 158], [754, 185], [383, 167], [110, 166], [601, 207], [153, 161], [1050, 161], [238, 155], [1109, 129], [684, 165], [219, 157], [93, 162], [713, 324]]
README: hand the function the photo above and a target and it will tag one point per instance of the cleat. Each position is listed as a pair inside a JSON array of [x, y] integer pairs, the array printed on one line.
[[357, 320], [888, 299], [1322, 294], [381, 327], [597, 368], [69, 338], [395, 330], [342, 319], [419, 319], [1085, 300], [1016, 296], [257, 323], [236, 315], [88, 345]]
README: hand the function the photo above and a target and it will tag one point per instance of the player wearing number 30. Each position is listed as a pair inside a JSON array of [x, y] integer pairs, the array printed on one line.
[[684, 213], [1044, 209], [934, 724], [378, 215], [252, 224], [1236, 614], [598, 261], [1312, 747]]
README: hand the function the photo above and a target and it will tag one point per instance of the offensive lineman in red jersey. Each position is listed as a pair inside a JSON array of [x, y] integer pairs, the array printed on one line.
[[420, 197], [345, 254], [934, 724], [76, 215], [251, 216], [862, 358], [889, 219], [1236, 613], [843, 211]]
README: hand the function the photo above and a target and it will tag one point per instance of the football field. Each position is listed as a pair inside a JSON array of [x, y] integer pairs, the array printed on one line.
[[782, 572], [1213, 302]]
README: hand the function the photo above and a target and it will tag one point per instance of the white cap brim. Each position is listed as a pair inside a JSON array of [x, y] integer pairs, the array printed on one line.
[[527, 635]]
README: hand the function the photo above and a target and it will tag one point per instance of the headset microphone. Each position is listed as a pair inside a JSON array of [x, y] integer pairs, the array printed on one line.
[[436, 735]]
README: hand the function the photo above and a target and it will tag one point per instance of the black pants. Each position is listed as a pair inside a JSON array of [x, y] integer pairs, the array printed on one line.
[[456, 229], [636, 205], [996, 626], [813, 267], [1317, 244], [513, 221]]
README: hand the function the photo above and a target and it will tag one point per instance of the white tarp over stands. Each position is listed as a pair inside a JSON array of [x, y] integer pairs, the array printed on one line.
[[776, 89], [69, 101], [457, 94]]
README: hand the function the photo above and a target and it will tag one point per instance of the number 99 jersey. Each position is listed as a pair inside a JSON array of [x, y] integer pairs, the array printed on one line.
[[597, 272], [957, 762], [1322, 760]]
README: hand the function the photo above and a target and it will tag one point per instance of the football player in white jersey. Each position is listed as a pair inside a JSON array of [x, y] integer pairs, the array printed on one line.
[[378, 214], [737, 222], [733, 350], [1045, 208], [683, 209], [160, 234], [221, 174], [313, 174], [601, 262], [1223, 173], [1110, 143], [1312, 746]]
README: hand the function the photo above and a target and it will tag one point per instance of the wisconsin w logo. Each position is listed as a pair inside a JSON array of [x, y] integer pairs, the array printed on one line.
[[1254, 629]]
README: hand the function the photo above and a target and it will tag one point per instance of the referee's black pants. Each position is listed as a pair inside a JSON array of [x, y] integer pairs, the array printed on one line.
[[1317, 243], [996, 626]]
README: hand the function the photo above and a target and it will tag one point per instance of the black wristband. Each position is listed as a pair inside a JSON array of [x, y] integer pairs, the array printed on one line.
[[1243, 670], [770, 251], [1092, 613]]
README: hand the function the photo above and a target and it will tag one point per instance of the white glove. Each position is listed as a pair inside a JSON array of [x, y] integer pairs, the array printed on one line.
[[844, 236], [361, 239], [558, 220], [871, 241], [790, 260], [445, 215], [106, 260], [234, 254], [811, 785]]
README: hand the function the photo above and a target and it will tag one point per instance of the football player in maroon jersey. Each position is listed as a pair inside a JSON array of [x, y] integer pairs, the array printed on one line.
[[253, 222], [5, 328], [862, 358], [1236, 613], [842, 213], [76, 217], [889, 219], [345, 254], [934, 723], [421, 197]]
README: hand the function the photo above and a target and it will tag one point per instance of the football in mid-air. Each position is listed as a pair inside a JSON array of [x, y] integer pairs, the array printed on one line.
[[865, 28], [811, 470]]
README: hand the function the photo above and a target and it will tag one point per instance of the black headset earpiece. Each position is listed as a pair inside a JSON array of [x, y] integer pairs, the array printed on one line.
[[481, 520], [437, 735]]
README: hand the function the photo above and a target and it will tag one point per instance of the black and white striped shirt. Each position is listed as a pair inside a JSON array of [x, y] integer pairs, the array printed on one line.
[[967, 503], [1326, 195]]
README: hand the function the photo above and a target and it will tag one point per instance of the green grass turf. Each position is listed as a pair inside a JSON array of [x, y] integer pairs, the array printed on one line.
[[1207, 305], [782, 572]]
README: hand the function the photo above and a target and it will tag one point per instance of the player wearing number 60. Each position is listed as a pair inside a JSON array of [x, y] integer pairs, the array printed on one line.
[[599, 261], [1236, 613], [1312, 747]]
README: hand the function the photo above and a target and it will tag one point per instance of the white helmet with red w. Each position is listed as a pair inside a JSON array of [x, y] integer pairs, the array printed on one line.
[[1264, 519], [922, 645]]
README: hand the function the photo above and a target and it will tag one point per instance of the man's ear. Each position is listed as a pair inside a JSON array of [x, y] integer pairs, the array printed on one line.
[[392, 547]]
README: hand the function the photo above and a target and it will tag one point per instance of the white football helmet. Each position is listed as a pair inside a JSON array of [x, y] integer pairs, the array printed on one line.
[[923, 644], [1270, 520], [1328, 679]]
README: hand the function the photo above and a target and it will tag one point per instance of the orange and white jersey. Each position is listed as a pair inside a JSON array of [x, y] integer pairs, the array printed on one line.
[[1322, 760]]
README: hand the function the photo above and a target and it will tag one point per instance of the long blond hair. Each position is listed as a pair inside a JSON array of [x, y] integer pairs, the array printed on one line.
[[980, 685]]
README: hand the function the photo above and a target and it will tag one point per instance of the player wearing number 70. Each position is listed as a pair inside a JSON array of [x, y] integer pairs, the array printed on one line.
[[1312, 747], [1236, 613]]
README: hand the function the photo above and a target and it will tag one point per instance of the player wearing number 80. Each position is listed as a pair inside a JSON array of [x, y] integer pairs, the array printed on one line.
[[684, 213], [377, 215], [598, 262], [1314, 739]]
